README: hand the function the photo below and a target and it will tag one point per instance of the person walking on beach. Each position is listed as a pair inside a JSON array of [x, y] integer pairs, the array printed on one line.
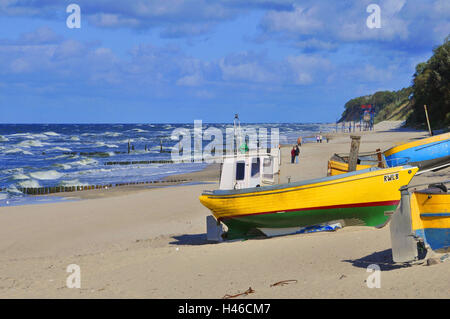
[[317, 138], [292, 154], [320, 138], [299, 141], [297, 154]]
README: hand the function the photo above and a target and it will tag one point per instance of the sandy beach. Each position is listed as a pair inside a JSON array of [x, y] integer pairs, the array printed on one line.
[[150, 242]]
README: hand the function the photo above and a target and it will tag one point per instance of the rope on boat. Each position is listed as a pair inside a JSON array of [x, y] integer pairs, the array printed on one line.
[[248, 291]]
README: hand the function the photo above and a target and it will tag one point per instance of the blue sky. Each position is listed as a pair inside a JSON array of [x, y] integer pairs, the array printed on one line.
[[176, 61]]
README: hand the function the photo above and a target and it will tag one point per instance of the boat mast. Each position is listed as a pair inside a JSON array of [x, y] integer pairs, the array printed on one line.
[[237, 133]]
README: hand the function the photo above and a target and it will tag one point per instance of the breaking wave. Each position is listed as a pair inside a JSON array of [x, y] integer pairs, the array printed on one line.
[[46, 175]]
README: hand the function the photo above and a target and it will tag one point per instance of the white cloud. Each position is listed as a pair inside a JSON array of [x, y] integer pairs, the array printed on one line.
[[331, 23], [304, 68], [300, 21], [20, 65], [190, 80], [108, 20]]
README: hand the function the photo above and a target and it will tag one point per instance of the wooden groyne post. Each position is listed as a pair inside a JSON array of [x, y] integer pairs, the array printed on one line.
[[381, 162], [428, 120], [354, 150]]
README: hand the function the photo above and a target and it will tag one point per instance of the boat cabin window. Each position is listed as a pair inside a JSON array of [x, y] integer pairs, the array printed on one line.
[[255, 167], [240, 171]]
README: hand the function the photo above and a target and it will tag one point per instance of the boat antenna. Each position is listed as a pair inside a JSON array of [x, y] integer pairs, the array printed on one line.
[[237, 132]]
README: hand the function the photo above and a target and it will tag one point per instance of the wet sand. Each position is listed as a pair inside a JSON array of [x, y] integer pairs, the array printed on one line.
[[150, 242]]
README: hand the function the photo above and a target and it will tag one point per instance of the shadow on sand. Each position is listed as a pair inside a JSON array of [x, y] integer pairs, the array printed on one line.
[[381, 258], [191, 240]]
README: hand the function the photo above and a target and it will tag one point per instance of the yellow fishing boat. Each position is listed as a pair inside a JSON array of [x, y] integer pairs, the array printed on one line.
[[367, 197], [338, 163], [338, 167], [430, 216]]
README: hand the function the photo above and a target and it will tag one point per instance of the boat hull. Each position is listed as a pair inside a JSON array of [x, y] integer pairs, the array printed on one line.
[[365, 197], [430, 217], [425, 153]]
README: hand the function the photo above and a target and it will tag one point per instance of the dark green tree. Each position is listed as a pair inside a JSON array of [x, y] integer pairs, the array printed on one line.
[[431, 87]]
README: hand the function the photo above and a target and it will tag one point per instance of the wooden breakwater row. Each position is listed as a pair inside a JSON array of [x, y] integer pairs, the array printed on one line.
[[142, 162], [93, 154], [65, 189], [105, 154], [162, 161]]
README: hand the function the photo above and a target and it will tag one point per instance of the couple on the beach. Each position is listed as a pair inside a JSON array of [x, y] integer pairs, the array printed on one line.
[[295, 152], [319, 138]]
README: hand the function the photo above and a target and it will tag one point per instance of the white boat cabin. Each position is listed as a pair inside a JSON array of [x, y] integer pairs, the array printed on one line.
[[251, 169]]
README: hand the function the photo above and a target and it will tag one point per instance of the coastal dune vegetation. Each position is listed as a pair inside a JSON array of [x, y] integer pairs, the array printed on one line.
[[430, 87]]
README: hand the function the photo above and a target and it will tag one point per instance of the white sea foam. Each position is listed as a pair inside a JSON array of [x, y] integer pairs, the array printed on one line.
[[112, 134], [12, 189], [103, 144], [3, 139], [18, 150], [63, 156], [20, 135], [41, 136], [51, 133], [19, 176], [85, 162], [31, 183], [74, 138], [138, 130], [62, 149], [15, 170], [3, 196], [46, 175], [131, 140], [74, 182], [63, 166], [31, 143]]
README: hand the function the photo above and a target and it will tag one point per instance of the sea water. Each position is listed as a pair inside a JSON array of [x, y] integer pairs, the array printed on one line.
[[48, 155]]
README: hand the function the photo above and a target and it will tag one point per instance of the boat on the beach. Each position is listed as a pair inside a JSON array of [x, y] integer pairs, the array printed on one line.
[[430, 216], [338, 163], [366, 197], [426, 153]]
